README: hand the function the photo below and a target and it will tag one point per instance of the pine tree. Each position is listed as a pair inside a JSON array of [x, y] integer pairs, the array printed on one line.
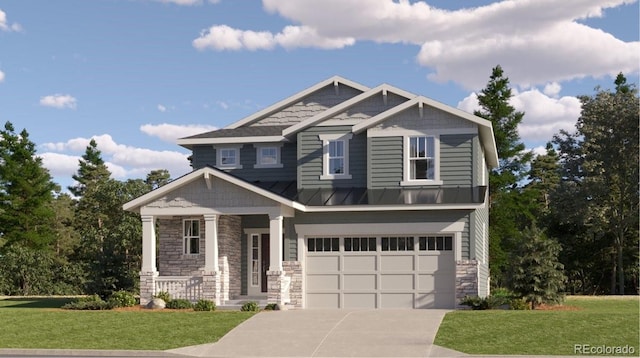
[[92, 169], [26, 192]]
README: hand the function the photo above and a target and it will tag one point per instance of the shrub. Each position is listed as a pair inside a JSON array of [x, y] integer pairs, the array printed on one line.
[[179, 304], [163, 295], [93, 302], [519, 304], [250, 306], [204, 305], [122, 299], [484, 303], [271, 307]]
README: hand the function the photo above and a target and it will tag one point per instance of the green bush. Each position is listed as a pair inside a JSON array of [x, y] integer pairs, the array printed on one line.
[[250, 306], [503, 293], [179, 304], [163, 295], [93, 303], [484, 303], [122, 299], [519, 304], [204, 305], [271, 307]]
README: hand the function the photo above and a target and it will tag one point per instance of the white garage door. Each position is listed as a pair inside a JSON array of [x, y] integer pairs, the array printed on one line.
[[380, 272]]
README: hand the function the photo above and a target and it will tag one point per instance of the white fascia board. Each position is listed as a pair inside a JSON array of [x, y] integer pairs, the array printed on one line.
[[345, 106], [231, 140], [206, 172], [349, 208], [295, 98]]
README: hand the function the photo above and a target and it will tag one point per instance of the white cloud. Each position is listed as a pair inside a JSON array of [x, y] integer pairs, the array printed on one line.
[[59, 101], [223, 37], [552, 89], [223, 105], [171, 132], [162, 108], [544, 115], [2, 76], [6, 26], [535, 41], [122, 160]]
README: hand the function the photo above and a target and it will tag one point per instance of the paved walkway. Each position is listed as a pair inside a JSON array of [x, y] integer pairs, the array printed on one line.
[[331, 333]]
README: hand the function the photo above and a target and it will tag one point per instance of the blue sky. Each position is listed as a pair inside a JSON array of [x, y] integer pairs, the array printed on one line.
[[137, 74]]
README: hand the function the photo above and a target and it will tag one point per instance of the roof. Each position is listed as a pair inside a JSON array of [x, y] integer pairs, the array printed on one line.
[[331, 199]]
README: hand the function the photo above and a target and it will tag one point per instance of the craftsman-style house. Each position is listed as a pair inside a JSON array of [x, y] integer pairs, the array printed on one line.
[[340, 196]]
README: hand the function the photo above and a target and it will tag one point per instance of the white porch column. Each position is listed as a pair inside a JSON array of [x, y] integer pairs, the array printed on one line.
[[275, 243], [148, 244], [211, 243]]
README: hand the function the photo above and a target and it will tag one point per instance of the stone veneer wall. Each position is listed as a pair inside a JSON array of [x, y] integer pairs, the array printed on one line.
[[172, 261], [293, 269], [466, 279]]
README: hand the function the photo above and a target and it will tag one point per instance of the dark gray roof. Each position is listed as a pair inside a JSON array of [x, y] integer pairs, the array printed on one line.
[[364, 196], [254, 131]]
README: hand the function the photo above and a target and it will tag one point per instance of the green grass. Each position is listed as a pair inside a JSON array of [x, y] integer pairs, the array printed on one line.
[[598, 321], [39, 323]]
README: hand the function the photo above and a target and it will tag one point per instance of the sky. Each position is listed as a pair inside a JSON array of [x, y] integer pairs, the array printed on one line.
[[135, 75]]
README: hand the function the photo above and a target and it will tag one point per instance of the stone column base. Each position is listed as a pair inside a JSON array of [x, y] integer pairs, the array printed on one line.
[[293, 269], [274, 287], [466, 279], [147, 286], [211, 282]]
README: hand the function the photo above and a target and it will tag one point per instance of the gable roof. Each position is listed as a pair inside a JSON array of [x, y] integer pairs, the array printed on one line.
[[335, 80], [382, 89], [485, 127], [254, 134]]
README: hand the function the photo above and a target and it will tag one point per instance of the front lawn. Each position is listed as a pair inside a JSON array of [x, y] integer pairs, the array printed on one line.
[[610, 322], [39, 323]]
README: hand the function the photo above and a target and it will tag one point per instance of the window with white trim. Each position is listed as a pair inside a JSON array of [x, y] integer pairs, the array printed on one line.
[[335, 159], [191, 236], [397, 244], [228, 158], [421, 161], [435, 243], [268, 156]]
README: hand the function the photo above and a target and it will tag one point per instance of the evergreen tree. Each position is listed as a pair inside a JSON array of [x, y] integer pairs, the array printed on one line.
[[92, 169], [26, 215], [537, 275], [510, 209], [158, 178]]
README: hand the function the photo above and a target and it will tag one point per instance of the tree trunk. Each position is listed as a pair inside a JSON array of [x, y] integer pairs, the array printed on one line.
[[613, 274], [620, 266]]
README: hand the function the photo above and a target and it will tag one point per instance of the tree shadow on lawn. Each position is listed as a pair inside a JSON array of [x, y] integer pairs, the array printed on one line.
[[34, 302]]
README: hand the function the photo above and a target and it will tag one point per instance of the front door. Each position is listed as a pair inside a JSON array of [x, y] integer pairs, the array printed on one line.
[[264, 258]]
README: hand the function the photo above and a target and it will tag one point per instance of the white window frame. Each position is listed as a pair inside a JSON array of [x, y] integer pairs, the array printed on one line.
[[326, 138], [407, 161], [186, 238], [260, 157], [254, 260], [235, 165]]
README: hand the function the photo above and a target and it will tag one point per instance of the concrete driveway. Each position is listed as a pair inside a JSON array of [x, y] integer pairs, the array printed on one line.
[[331, 333]]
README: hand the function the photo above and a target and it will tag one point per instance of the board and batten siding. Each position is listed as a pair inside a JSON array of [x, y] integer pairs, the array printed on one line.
[[310, 163]]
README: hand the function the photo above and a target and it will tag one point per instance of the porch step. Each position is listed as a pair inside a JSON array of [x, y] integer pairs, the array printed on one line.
[[236, 304]]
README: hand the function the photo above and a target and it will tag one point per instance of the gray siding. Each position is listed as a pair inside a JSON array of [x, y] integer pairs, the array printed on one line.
[[310, 105], [248, 158], [385, 162], [370, 107], [310, 159], [203, 155], [456, 166], [392, 218]]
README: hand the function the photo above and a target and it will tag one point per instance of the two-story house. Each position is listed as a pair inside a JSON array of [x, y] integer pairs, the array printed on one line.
[[340, 196]]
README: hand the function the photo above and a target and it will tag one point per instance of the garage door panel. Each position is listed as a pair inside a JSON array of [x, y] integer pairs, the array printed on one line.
[[323, 300], [396, 282], [323, 263], [433, 263], [435, 283], [396, 300], [359, 300], [360, 263], [435, 300], [360, 282], [324, 282], [397, 263]]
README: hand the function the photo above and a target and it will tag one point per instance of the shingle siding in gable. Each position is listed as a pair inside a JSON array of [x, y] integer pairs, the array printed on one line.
[[456, 159], [310, 159], [309, 106], [203, 155], [371, 107], [432, 118]]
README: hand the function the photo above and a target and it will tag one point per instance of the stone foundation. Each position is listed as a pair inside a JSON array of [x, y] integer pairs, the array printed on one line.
[[274, 287], [147, 286], [293, 269], [211, 286], [466, 279]]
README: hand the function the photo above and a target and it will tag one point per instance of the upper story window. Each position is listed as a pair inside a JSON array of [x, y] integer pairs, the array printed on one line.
[[421, 161], [228, 158], [268, 156], [191, 236], [335, 159]]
